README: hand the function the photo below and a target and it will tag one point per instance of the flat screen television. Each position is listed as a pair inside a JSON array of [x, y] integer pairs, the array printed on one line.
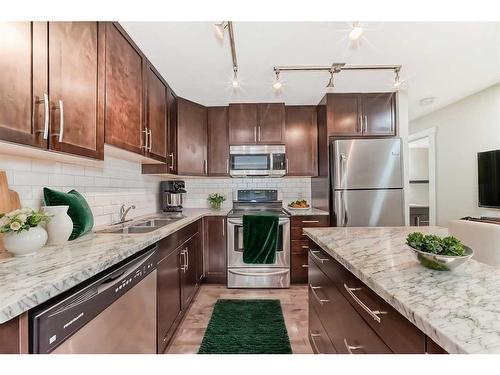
[[489, 178]]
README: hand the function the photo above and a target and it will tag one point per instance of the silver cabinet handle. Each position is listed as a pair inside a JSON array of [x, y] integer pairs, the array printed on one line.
[[61, 120], [310, 221], [183, 261], [172, 161], [286, 165], [360, 124], [366, 124], [305, 266], [145, 131], [227, 165], [205, 166], [322, 260], [305, 247], [187, 258], [223, 228], [255, 134], [373, 313], [46, 115], [150, 139], [315, 346], [313, 290], [350, 348], [259, 134]]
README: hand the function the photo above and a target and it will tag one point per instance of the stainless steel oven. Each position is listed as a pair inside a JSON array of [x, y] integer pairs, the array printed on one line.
[[257, 160]]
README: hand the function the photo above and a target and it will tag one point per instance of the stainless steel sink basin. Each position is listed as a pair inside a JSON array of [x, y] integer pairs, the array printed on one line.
[[129, 230], [142, 226]]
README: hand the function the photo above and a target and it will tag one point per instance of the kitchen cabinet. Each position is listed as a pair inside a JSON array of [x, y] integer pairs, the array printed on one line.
[[372, 114], [172, 132], [14, 335], [251, 123], [299, 244], [301, 140], [218, 141], [42, 107], [169, 297], [189, 256], [124, 92], [191, 138], [214, 249], [156, 115], [342, 300]]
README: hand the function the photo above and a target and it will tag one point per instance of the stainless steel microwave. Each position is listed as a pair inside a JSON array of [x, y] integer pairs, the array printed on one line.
[[257, 160]]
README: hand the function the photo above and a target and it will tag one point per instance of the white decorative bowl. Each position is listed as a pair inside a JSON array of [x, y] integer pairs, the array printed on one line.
[[26, 242]]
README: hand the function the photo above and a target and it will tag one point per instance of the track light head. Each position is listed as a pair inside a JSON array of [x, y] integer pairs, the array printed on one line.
[[330, 81], [234, 82], [219, 29], [397, 80], [277, 85], [356, 32]]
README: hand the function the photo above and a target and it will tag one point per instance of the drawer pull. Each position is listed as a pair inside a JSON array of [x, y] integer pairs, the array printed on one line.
[[310, 221], [322, 260], [373, 313], [313, 290], [313, 336], [305, 266], [350, 348], [305, 247]]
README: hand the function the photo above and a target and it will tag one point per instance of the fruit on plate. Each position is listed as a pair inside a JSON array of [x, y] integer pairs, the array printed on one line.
[[301, 203]]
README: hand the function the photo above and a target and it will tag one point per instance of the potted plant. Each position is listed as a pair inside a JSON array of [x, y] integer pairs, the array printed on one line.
[[216, 200], [23, 234]]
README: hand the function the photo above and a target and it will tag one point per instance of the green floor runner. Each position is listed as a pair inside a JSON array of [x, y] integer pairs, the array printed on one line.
[[246, 327]]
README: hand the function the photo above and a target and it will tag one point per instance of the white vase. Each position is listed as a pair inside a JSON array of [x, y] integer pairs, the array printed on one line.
[[60, 226], [25, 242]]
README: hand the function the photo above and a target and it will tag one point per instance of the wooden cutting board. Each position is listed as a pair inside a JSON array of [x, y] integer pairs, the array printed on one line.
[[9, 199]]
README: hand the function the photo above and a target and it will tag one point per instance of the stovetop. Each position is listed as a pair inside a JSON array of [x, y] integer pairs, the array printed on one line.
[[247, 209], [257, 201]]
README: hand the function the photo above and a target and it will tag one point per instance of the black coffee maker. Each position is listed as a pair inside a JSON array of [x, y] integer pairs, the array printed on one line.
[[171, 195]]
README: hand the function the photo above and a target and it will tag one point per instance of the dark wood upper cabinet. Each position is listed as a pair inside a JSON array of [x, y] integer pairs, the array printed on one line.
[[23, 82], [344, 116], [214, 249], [301, 140], [156, 115], [371, 114], [191, 138], [218, 141], [124, 117], [172, 131], [271, 125], [75, 85], [379, 114], [243, 122]]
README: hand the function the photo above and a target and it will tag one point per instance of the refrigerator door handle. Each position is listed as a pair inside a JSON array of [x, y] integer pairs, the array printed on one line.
[[342, 161], [343, 210]]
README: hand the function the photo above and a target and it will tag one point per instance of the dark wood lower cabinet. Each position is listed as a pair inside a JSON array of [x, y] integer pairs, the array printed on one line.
[[14, 336], [189, 270], [214, 249], [355, 319]]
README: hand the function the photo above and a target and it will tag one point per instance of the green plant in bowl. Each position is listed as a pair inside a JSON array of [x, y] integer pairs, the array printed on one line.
[[216, 200]]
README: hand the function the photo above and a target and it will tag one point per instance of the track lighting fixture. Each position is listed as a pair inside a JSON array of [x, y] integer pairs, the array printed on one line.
[[219, 29], [277, 85], [330, 84], [234, 82], [356, 32], [397, 81]]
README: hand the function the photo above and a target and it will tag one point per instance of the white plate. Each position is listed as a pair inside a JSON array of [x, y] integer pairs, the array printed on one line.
[[299, 208]]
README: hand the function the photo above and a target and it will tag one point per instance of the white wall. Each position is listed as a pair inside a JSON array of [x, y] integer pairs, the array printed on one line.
[[463, 128]]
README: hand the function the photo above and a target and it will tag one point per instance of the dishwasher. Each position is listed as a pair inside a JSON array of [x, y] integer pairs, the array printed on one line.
[[113, 313]]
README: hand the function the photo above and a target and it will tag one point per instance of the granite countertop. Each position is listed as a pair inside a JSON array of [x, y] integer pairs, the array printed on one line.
[[26, 282], [308, 212], [460, 309]]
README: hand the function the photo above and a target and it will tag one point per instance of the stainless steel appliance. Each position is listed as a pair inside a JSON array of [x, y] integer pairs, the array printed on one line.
[[242, 275], [367, 182], [114, 312], [171, 195], [257, 160]]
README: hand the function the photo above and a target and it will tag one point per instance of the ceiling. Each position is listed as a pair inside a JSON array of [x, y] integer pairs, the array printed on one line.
[[446, 60]]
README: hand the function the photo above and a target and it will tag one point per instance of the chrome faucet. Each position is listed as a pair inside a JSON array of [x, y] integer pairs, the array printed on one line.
[[124, 212]]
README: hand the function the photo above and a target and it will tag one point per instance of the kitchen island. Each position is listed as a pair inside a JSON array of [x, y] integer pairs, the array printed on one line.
[[458, 310]]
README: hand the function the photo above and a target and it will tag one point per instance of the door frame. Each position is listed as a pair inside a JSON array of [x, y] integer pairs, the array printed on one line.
[[431, 135]]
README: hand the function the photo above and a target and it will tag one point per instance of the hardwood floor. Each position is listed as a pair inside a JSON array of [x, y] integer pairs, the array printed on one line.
[[293, 302]]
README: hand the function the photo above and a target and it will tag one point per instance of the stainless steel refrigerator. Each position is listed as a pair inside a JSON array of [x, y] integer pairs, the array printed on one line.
[[366, 182]]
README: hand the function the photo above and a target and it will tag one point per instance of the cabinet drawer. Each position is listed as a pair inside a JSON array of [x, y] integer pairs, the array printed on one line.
[[299, 246], [299, 268], [318, 338], [349, 333], [296, 233], [308, 221], [170, 243], [397, 332]]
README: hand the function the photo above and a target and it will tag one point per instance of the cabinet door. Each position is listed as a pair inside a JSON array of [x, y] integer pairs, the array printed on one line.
[[172, 131], [191, 138], [301, 139], [271, 125], [169, 297], [218, 141], [243, 120], [379, 114], [23, 82], [343, 113], [76, 124], [156, 124], [189, 260], [124, 119], [215, 249]]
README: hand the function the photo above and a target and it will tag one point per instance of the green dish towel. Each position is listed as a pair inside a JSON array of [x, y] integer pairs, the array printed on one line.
[[260, 238]]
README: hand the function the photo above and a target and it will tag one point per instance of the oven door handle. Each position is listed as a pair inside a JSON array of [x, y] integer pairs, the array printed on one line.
[[281, 221], [274, 273]]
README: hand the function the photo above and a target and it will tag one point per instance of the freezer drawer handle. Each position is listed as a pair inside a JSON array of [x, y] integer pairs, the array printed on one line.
[[313, 336], [373, 313], [258, 273], [313, 290], [350, 348], [310, 221], [322, 260]]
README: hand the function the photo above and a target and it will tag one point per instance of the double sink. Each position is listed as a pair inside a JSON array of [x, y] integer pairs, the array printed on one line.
[[144, 225]]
